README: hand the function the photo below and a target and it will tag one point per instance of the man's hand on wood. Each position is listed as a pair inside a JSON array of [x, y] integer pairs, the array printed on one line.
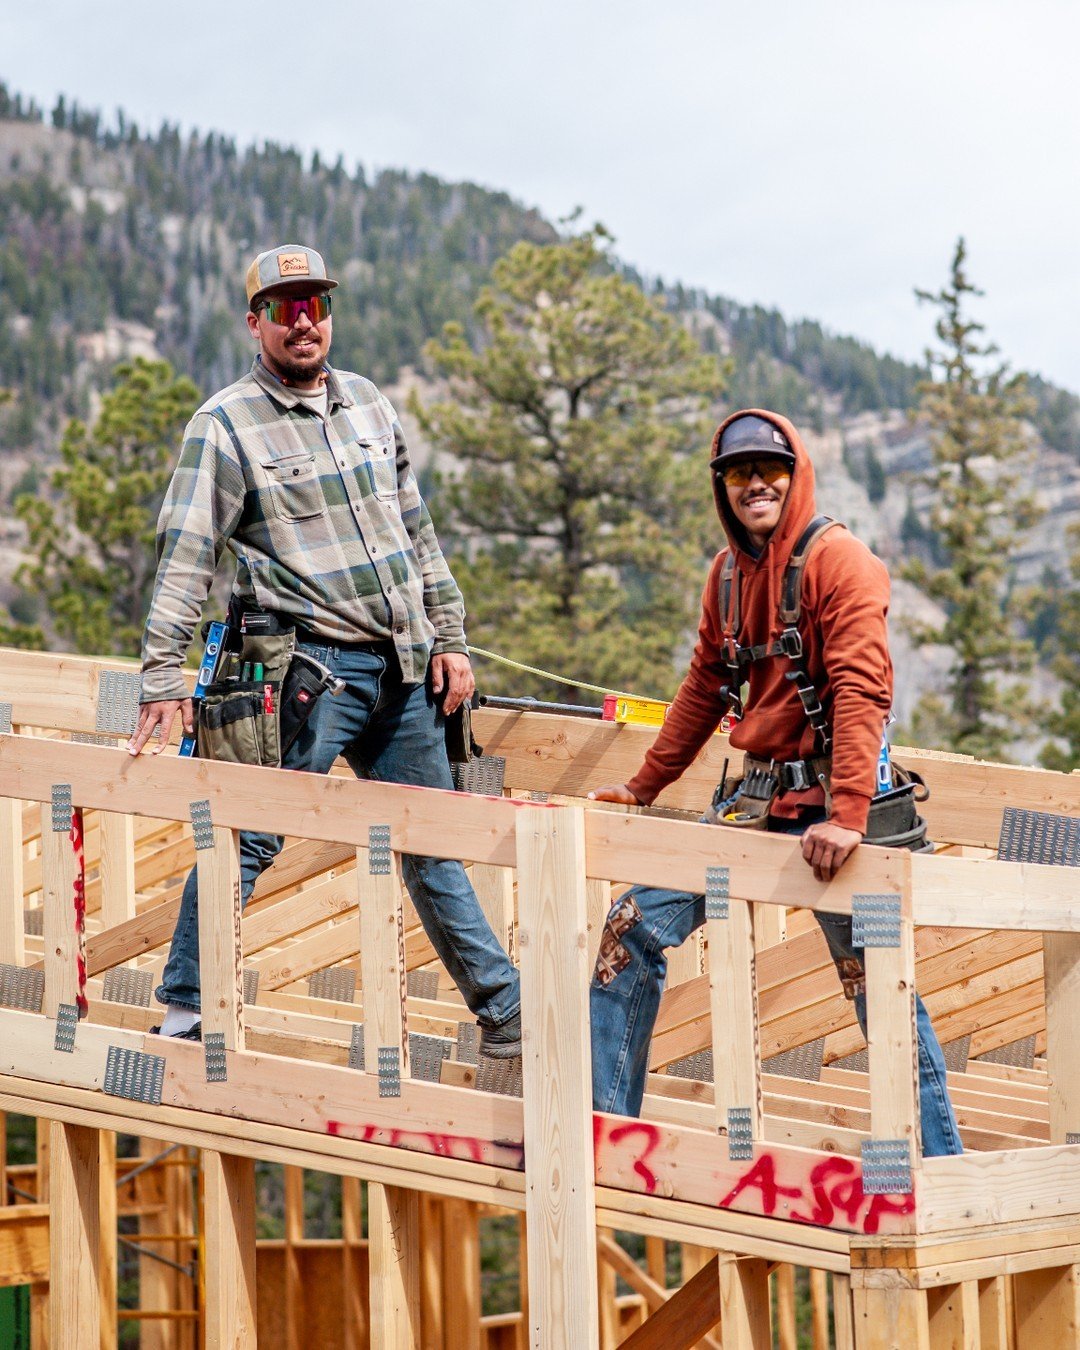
[[161, 714], [826, 847]]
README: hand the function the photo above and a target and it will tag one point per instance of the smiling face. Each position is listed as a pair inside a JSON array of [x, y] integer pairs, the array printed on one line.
[[756, 493], [295, 354]]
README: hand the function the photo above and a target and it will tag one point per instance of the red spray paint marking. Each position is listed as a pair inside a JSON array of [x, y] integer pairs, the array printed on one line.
[[79, 900], [835, 1183], [469, 1148], [617, 1134]]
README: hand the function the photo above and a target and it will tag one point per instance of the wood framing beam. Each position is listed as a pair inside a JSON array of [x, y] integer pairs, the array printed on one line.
[[890, 1013], [229, 1207], [685, 1318], [733, 993], [220, 960], [557, 1074], [74, 1237], [1062, 976]]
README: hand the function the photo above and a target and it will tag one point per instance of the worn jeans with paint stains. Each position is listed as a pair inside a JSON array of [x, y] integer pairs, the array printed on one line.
[[392, 731], [629, 978]]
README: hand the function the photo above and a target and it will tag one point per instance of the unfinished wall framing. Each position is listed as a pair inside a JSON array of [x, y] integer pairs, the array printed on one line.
[[768, 1159]]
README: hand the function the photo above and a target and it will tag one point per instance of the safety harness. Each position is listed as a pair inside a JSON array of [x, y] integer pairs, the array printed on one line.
[[789, 644]]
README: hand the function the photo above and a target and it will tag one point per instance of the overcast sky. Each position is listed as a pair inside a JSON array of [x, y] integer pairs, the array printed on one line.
[[820, 156]]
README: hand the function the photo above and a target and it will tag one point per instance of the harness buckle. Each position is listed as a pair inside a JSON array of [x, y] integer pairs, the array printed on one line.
[[791, 644], [795, 777]]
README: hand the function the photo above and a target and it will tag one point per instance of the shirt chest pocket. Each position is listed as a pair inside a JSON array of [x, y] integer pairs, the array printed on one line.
[[293, 488], [381, 463]]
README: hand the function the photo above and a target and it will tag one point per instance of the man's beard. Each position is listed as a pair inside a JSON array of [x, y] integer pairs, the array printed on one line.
[[300, 371]]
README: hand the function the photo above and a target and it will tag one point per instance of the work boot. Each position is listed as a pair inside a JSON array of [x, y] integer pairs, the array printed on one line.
[[502, 1042], [193, 1033]]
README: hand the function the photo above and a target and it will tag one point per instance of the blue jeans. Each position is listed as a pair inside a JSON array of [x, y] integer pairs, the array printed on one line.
[[388, 731], [629, 978]]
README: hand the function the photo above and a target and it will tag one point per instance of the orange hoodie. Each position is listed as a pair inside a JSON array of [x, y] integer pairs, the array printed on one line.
[[845, 600]]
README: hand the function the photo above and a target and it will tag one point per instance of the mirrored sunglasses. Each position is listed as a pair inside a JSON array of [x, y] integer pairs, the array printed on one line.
[[743, 470], [287, 309]]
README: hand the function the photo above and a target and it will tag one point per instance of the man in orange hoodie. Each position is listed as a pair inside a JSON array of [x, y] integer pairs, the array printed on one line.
[[814, 720]]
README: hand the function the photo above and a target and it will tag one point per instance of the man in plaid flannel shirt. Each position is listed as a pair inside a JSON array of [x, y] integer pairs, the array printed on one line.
[[303, 472]]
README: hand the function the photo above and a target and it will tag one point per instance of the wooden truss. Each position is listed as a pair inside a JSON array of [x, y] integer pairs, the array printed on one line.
[[783, 1152]]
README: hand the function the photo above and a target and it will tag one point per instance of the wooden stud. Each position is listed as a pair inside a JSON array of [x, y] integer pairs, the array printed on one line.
[[393, 1212], [557, 1074], [744, 1302], [461, 1275], [62, 935], [229, 1204], [610, 1330], [891, 1319], [953, 1314], [431, 1273], [819, 1309], [1046, 1307], [107, 1269], [733, 999], [353, 1250], [685, 1318], [890, 1013], [786, 1333], [843, 1315], [220, 955], [12, 898], [1061, 966], [494, 887], [294, 1239], [117, 865], [994, 1314], [74, 1237]]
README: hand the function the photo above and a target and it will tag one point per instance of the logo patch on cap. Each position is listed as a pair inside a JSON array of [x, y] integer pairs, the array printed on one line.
[[293, 265], [779, 437]]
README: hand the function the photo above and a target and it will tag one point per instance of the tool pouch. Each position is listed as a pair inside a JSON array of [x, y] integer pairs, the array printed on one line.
[[748, 807], [239, 721], [893, 821]]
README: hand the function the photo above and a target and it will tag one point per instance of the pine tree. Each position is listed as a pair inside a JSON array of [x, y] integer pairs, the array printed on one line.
[[976, 411], [93, 545], [578, 506], [1063, 646]]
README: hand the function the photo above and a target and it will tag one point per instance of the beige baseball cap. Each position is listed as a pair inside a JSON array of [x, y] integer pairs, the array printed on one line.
[[288, 267]]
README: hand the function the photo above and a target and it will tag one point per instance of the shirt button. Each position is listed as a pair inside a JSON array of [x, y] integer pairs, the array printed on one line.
[[400, 628]]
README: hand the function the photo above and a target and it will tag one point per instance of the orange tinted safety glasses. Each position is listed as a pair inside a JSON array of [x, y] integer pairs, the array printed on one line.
[[287, 309], [742, 471]]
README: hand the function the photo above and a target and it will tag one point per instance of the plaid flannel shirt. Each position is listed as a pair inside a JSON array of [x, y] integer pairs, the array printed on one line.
[[325, 518]]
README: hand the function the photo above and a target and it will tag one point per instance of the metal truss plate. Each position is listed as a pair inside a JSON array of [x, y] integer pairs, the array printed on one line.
[[875, 921], [501, 1076], [379, 850], [61, 808], [5, 719], [356, 1047], [717, 881], [859, 1062], [118, 702], [1018, 1054], [124, 984], [539, 796], [468, 1043], [214, 1056], [202, 826], [389, 1071], [92, 738], [134, 1074], [426, 1054], [338, 983], [956, 1054], [67, 1020], [1072, 1138], [22, 988], [251, 986], [698, 1066], [1039, 837], [485, 775], [886, 1166], [803, 1061], [740, 1134], [422, 984], [34, 920]]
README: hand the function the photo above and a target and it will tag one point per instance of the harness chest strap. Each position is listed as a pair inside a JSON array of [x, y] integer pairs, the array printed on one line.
[[789, 643]]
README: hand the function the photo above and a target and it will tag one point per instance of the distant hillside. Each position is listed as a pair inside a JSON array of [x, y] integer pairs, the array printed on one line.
[[117, 241]]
